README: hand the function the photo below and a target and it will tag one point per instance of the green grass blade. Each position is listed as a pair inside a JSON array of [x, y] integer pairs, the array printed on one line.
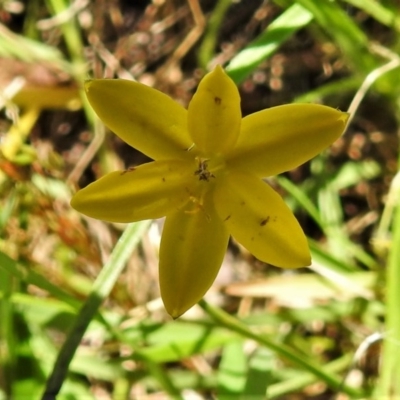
[[301, 197], [7, 332], [232, 371], [378, 11], [101, 289], [259, 374], [277, 390], [31, 277], [230, 322], [389, 382], [180, 340], [70, 30], [293, 19], [207, 47], [346, 34], [324, 257]]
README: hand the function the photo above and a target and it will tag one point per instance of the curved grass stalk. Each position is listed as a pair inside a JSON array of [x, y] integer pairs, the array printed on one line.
[[389, 383], [225, 320], [101, 289]]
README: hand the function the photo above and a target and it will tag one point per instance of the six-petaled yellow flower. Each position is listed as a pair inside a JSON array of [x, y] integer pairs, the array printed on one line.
[[207, 176]]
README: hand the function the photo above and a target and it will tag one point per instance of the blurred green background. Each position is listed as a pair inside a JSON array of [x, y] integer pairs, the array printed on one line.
[[80, 313]]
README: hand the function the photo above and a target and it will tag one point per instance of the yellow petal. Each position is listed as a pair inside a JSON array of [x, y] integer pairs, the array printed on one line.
[[149, 191], [143, 117], [281, 138], [193, 245], [258, 218], [214, 113]]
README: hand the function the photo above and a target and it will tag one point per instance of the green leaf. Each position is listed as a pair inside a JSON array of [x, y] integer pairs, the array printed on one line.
[[232, 371], [259, 375], [178, 340]]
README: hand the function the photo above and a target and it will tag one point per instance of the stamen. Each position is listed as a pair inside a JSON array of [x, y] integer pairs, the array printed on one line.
[[198, 206]]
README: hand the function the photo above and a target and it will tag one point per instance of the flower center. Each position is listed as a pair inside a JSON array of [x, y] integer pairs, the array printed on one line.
[[206, 167], [202, 172]]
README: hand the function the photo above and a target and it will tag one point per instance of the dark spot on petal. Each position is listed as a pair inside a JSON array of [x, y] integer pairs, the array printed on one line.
[[242, 203], [226, 219], [163, 179], [264, 221], [217, 100]]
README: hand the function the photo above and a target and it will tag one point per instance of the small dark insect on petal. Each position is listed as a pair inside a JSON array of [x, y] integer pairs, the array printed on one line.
[[217, 100], [264, 221], [130, 169]]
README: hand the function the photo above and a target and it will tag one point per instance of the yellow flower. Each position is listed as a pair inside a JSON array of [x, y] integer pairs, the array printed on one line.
[[207, 176]]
